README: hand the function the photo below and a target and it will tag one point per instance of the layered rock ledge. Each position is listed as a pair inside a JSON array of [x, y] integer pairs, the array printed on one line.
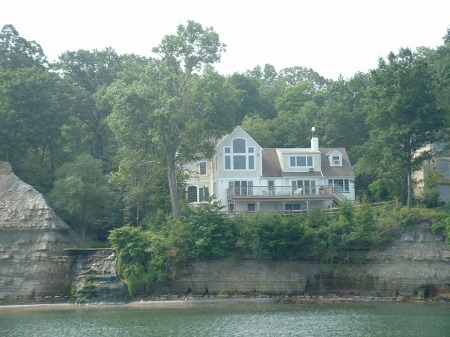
[[414, 266], [35, 265]]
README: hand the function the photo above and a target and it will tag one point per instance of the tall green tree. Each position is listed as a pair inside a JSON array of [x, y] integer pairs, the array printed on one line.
[[403, 117], [140, 185], [89, 73], [16, 52], [343, 120], [31, 111], [174, 107], [81, 191]]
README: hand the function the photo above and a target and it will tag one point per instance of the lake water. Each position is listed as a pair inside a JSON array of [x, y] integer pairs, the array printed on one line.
[[243, 319]]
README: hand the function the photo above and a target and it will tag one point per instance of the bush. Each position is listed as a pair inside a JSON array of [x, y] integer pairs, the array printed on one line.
[[273, 237]]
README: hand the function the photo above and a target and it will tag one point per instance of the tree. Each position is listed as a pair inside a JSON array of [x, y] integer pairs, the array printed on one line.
[[17, 53], [403, 115], [343, 122], [140, 185], [81, 190], [31, 111], [89, 73], [174, 107], [295, 75]]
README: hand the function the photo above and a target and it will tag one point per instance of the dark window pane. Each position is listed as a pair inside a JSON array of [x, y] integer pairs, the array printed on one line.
[[192, 194], [239, 163], [239, 145], [251, 162]]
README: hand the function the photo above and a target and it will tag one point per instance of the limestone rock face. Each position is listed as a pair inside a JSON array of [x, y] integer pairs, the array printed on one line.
[[32, 238], [415, 265]]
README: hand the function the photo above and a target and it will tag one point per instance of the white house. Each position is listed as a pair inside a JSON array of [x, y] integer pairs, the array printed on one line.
[[243, 176]]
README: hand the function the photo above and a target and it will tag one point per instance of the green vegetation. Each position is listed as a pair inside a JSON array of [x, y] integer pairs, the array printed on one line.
[[148, 255]]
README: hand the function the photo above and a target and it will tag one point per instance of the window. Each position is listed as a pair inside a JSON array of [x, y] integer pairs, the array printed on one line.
[[242, 188], [440, 146], [271, 185], [231, 208], [303, 187], [444, 166], [301, 161], [239, 156], [239, 145], [340, 185], [192, 194], [202, 168], [336, 160], [444, 192], [251, 207], [251, 162], [294, 207], [197, 194], [239, 163]]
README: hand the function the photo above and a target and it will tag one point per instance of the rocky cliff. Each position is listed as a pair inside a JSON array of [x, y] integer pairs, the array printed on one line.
[[415, 265], [34, 263]]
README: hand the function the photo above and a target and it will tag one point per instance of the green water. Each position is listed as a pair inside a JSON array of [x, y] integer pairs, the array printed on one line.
[[340, 319]]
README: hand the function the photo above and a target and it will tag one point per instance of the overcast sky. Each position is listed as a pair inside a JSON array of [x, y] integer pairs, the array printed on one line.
[[333, 37]]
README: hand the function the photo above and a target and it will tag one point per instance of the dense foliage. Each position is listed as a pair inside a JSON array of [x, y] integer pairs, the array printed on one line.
[[148, 255]]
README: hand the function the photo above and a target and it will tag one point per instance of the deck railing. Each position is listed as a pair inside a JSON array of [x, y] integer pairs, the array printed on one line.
[[275, 192]]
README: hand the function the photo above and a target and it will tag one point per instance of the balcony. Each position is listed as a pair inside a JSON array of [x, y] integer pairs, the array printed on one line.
[[286, 193]]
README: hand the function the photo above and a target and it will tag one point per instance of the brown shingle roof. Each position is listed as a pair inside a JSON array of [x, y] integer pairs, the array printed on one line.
[[346, 170], [271, 166]]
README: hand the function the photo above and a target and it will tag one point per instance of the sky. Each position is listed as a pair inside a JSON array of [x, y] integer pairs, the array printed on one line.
[[333, 37]]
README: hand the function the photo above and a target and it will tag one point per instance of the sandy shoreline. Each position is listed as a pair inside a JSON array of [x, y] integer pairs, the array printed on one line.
[[189, 302]]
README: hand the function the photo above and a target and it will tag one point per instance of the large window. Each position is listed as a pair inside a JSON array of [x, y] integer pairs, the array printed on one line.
[[304, 187], [242, 188], [340, 185], [301, 161], [239, 156], [444, 192], [197, 194], [444, 166]]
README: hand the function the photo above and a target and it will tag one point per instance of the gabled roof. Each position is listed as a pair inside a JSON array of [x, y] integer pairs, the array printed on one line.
[[333, 150], [271, 166], [238, 129], [346, 170]]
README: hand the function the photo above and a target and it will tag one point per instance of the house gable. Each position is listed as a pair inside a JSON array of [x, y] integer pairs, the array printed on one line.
[[238, 155], [335, 157]]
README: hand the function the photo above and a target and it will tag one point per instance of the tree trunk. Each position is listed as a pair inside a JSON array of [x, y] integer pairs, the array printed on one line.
[[172, 177], [409, 188], [83, 225]]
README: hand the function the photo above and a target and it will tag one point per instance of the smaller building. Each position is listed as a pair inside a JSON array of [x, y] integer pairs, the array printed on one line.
[[439, 167], [245, 177]]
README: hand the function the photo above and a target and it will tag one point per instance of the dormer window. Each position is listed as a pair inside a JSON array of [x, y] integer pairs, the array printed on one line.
[[301, 161], [335, 158]]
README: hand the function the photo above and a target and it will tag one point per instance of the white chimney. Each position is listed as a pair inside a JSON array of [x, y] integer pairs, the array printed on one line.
[[315, 143]]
